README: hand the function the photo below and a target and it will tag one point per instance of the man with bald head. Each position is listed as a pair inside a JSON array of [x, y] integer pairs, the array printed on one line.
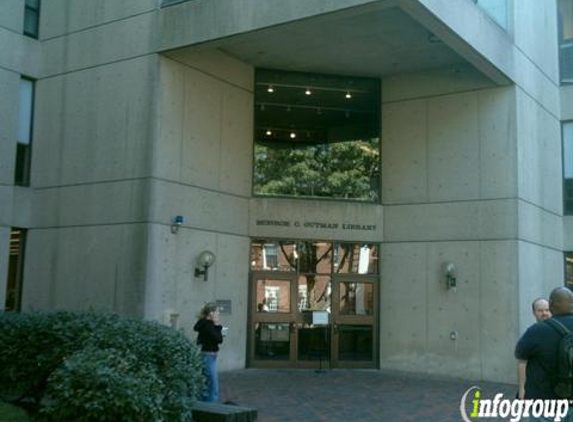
[[538, 346], [540, 308]]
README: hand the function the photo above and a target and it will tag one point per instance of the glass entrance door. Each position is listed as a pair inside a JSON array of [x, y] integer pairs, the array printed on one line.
[[313, 305], [272, 337], [354, 327]]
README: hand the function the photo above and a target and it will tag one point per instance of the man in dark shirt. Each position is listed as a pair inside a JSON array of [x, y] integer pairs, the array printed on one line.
[[540, 309], [538, 346]]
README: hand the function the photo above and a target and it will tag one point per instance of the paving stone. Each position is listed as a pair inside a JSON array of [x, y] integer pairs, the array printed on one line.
[[351, 395]]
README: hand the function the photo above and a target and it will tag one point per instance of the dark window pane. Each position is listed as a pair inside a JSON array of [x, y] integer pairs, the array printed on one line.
[[569, 269], [22, 170], [355, 343], [568, 168], [24, 141], [565, 15], [568, 197], [272, 341], [31, 22], [314, 343]]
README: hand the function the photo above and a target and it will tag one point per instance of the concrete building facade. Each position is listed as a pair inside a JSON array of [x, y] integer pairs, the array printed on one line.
[[144, 110]]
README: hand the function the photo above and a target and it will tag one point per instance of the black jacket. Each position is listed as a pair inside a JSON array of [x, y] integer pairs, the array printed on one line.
[[538, 346], [209, 335]]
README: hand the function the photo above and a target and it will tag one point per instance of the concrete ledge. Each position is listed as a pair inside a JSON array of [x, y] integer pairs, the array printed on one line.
[[217, 412]]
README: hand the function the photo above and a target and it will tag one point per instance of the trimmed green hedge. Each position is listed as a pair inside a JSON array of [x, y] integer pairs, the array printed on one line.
[[88, 367], [11, 413]]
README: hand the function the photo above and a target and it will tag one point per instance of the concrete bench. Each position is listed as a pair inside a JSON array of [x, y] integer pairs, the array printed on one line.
[[218, 412]]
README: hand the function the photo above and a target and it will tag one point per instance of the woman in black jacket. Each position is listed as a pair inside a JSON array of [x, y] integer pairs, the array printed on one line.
[[209, 338]]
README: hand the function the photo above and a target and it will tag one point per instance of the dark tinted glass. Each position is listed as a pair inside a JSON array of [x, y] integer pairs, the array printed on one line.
[[272, 341], [355, 343]]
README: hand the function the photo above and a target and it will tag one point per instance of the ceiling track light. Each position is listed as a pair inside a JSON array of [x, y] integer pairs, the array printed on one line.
[[313, 88], [348, 95], [269, 132], [292, 135], [308, 91], [319, 109]]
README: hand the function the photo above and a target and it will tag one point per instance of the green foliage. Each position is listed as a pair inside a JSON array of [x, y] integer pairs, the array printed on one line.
[[12, 413], [82, 363], [348, 170], [104, 385]]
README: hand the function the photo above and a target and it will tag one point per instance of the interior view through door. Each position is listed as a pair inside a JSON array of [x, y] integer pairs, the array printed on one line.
[[313, 304]]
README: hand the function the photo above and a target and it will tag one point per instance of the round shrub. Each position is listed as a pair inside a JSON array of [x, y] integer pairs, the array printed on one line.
[[103, 385], [39, 350]]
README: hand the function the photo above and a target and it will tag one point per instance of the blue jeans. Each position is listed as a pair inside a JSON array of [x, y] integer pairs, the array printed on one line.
[[211, 394]]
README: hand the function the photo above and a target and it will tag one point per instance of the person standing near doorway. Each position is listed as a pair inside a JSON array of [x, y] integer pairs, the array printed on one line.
[[539, 346], [209, 338], [540, 309]]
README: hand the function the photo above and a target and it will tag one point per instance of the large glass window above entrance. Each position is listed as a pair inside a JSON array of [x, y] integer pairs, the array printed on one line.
[[317, 136]]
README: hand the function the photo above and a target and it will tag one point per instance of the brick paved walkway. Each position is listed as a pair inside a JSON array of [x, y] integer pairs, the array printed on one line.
[[351, 395]]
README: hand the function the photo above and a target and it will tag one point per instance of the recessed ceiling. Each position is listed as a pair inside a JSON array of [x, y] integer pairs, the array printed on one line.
[[371, 42]]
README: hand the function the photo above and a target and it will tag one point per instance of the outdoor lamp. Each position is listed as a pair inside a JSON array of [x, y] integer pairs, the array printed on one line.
[[205, 260], [449, 274]]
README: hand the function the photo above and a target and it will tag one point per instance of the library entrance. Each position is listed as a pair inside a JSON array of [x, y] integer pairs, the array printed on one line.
[[313, 304]]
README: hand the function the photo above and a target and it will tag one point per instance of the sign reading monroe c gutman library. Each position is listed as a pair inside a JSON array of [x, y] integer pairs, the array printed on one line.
[[317, 225]]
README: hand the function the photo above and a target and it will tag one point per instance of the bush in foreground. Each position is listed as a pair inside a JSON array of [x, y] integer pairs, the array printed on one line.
[[98, 367], [12, 413]]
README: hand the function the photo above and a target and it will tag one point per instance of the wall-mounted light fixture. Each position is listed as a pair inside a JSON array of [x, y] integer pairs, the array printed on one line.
[[205, 260], [450, 275], [177, 222]]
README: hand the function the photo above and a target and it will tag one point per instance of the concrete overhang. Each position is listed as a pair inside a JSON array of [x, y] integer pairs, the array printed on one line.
[[375, 39]]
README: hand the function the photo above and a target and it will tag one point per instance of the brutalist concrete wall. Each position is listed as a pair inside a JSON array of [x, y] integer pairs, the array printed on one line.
[[90, 175], [472, 178], [539, 171], [19, 56], [449, 186], [202, 161]]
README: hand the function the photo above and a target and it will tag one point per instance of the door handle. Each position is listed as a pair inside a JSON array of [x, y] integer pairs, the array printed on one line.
[[292, 327]]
